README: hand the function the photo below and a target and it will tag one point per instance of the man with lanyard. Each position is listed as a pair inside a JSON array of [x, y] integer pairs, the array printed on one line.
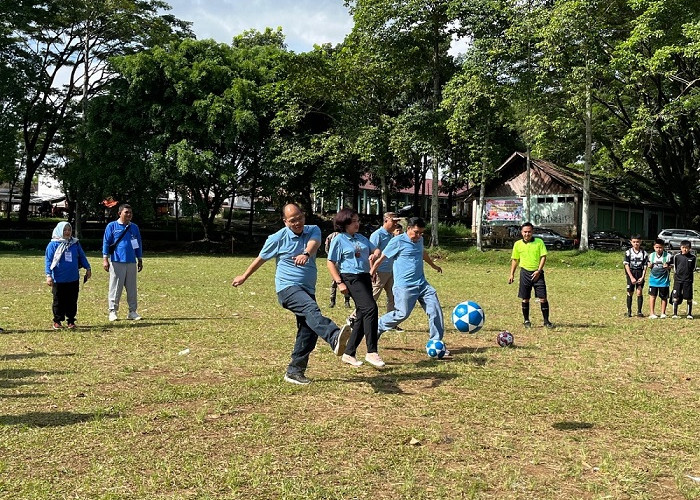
[[531, 254], [294, 249], [122, 248]]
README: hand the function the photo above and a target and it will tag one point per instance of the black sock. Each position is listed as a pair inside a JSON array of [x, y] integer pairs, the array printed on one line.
[[690, 308], [640, 301], [545, 311], [629, 304], [526, 311], [675, 308]]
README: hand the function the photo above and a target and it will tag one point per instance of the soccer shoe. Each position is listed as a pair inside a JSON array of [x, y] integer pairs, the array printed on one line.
[[629, 314], [527, 323], [653, 316], [663, 316], [57, 325], [134, 316], [113, 315], [548, 325], [373, 359], [351, 360], [343, 337], [675, 316], [689, 316], [640, 314], [296, 378], [71, 326]]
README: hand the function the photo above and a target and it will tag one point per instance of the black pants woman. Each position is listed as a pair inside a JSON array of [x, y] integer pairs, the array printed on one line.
[[365, 324]]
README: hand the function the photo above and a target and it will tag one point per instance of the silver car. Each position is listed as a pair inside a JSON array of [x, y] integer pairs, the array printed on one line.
[[673, 237]]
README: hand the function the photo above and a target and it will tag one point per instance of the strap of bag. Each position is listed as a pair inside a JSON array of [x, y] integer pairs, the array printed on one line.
[[114, 245]]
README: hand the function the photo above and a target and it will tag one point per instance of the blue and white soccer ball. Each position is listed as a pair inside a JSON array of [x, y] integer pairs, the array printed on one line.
[[468, 317], [435, 348]]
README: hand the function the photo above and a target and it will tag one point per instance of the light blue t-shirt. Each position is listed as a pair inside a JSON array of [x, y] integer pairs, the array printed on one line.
[[408, 260], [351, 253], [381, 238], [284, 245], [659, 276]]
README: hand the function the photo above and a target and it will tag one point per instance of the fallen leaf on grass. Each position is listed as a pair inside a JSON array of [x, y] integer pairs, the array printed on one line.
[[184, 352], [414, 442]]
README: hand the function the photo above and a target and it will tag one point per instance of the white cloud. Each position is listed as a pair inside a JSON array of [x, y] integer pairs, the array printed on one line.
[[304, 22]]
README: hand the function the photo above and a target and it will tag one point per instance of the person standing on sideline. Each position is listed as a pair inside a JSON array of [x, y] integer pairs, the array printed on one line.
[[349, 263], [635, 262], [384, 279], [294, 249], [531, 254], [683, 268], [410, 285], [659, 278], [334, 285], [122, 257], [64, 258]]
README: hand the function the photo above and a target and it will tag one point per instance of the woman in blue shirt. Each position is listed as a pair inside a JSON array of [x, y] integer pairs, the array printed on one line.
[[350, 252], [64, 256]]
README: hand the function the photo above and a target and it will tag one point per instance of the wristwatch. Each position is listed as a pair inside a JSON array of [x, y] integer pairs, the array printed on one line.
[[306, 253]]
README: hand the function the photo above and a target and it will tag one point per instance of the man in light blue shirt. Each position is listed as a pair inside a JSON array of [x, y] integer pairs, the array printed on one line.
[[410, 285], [385, 277], [122, 257], [294, 249]]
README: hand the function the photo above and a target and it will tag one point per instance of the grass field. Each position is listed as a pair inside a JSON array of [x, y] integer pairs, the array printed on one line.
[[604, 406]]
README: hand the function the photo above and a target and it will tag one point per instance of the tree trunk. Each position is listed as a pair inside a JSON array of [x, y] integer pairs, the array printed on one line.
[[435, 206], [583, 245]]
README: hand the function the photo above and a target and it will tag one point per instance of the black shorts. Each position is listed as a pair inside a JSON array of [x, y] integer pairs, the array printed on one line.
[[637, 273], [526, 285], [661, 291], [682, 290]]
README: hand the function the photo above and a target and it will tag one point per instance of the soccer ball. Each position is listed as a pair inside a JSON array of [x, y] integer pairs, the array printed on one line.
[[468, 317], [505, 339], [435, 348]]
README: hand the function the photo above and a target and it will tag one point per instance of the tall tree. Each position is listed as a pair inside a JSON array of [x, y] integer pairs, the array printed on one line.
[[70, 41]]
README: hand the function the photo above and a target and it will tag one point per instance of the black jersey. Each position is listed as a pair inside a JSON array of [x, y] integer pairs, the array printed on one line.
[[636, 260], [683, 266]]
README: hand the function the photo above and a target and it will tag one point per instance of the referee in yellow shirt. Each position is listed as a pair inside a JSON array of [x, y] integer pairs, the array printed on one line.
[[531, 254]]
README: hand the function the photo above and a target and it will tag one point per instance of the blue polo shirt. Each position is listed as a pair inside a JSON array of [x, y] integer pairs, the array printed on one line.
[[351, 253], [381, 238], [408, 260], [129, 248], [284, 245]]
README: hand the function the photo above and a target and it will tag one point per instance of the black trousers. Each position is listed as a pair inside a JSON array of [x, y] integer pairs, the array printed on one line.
[[65, 301], [367, 317]]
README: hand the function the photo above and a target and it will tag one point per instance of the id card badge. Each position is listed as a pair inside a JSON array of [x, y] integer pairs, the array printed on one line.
[[134, 243], [69, 256]]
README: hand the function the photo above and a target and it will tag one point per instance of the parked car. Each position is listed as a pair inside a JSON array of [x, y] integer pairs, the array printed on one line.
[[673, 237], [552, 239], [608, 240]]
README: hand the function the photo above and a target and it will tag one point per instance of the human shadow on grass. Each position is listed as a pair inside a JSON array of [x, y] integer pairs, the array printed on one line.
[[23, 355], [388, 383], [51, 419], [14, 377], [23, 396], [572, 426]]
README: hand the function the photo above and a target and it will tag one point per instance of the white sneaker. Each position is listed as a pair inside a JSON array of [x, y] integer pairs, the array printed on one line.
[[653, 316], [689, 316], [133, 316], [675, 316], [373, 359], [351, 360], [113, 315], [662, 316]]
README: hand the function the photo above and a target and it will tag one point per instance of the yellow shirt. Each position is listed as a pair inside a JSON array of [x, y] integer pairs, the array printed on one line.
[[529, 254]]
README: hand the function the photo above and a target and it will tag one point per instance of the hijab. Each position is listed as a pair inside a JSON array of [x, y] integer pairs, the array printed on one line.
[[65, 243]]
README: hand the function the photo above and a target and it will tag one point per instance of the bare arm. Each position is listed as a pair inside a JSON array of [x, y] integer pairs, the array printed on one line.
[[513, 267], [254, 266], [430, 262], [333, 270], [377, 262], [536, 275]]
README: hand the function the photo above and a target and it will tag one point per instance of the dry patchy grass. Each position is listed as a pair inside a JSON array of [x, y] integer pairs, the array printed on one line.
[[602, 407]]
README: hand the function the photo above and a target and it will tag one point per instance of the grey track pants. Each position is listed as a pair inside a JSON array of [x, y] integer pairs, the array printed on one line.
[[122, 275]]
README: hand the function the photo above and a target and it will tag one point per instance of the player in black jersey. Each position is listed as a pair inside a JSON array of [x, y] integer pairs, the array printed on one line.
[[635, 261], [683, 268]]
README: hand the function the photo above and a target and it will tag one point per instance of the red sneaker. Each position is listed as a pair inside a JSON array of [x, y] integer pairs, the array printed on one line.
[[57, 325]]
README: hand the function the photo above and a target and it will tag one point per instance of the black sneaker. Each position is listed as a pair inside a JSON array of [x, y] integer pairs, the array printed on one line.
[[640, 314], [629, 314], [548, 324], [296, 378], [347, 304], [527, 323]]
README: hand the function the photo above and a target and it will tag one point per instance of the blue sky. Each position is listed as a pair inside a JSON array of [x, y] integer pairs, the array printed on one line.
[[304, 22]]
